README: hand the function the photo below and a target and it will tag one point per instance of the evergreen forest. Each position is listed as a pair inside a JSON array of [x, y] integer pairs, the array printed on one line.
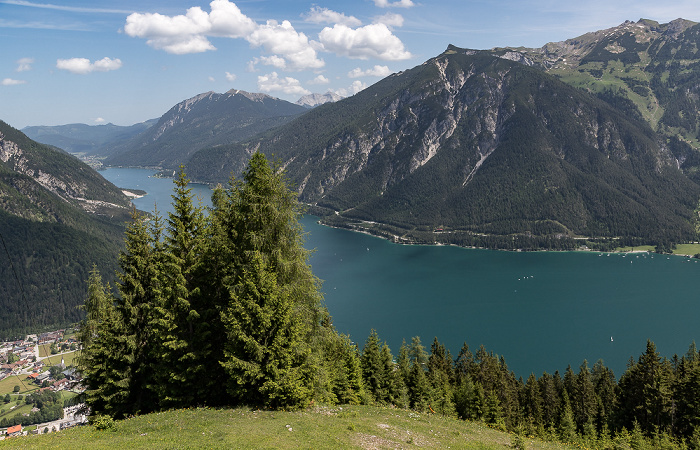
[[220, 308]]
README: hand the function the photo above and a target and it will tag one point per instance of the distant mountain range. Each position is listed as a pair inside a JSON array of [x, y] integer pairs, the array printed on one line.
[[58, 218], [591, 140], [78, 138], [313, 100]]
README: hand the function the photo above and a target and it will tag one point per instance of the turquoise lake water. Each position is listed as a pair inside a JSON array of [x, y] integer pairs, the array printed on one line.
[[541, 310]]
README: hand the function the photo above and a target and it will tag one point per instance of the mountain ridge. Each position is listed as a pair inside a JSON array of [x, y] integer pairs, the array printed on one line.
[[207, 119], [58, 218], [374, 158]]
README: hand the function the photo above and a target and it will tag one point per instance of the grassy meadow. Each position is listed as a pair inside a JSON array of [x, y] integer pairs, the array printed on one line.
[[317, 428]]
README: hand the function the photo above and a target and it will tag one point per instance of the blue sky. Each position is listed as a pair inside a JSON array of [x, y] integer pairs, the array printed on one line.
[[75, 61]]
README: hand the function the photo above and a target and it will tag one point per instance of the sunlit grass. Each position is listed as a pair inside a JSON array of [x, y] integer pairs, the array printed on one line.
[[321, 427]]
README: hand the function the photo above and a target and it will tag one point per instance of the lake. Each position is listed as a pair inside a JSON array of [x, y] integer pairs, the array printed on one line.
[[541, 310]]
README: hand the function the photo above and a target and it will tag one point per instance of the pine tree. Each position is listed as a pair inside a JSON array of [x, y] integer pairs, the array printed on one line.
[[266, 349], [646, 392], [419, 390], [583, 398], [567, 425], [258, 216], [372, 369], [187, 337]]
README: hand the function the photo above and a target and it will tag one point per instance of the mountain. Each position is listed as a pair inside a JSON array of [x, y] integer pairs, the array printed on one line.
[[206, 120], [58, 218], [477, 149], [313, 100], [78, 138], [647, 69]]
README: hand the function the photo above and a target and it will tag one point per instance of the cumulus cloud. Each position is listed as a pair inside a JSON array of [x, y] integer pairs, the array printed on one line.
[[376, 71], [282, 40], [354, 88], [188, 34], [24, 64], [230, 76], [320, 80], [273, 83], [11, 82], [390, 20], [396, 4], [325, 15], [371, 41], [83, 65], [100, 120]]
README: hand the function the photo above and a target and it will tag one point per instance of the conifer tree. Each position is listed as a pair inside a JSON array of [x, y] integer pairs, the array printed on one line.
[[372, 368], [258, 216], [266, 347]]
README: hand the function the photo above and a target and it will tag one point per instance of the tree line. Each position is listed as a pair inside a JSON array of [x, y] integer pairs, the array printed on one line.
[[222, 309], [655, 403]]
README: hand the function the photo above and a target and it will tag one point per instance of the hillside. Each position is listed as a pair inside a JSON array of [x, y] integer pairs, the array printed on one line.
[[206, 120], [58, 217], [89, 140], [474, 149], [318, 427], [649, 70]]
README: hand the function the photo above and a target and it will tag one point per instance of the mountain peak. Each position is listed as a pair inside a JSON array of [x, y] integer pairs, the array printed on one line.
[[313, 100], [253, 96]]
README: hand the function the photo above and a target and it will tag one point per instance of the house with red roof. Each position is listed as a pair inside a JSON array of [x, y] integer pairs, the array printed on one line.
[[14, 431]]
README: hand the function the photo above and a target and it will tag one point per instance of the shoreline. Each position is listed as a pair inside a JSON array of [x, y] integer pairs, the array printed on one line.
[[395, 239]]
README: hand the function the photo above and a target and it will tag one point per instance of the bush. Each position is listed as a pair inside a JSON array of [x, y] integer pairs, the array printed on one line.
[[103, 422]]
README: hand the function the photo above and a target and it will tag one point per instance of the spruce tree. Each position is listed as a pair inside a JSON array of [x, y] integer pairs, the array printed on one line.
[[189, 337], [266, 347], [258, 216]]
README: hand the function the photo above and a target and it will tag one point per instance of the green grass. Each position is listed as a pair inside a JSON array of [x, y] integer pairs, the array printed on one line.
[[7, 385], [68, 359], [639, 248], [321, 427], [687, 249]]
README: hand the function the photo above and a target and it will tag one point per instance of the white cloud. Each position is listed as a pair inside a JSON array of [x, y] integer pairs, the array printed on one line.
[[282, 40], [24, 64], [100, 120], [212, 79], [320, 80], [273, 83], [376, 71], [188, 34], [353, 89], [371, 41], [11, 82], [396, 4], [83, 65], [390, 20], [325, 15], [230, 76], [274, 61]]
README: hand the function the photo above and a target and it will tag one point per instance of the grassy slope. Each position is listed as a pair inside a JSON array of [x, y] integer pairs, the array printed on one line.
[[322, 427]]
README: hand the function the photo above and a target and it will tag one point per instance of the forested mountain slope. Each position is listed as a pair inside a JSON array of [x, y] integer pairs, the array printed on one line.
[[486, 150], [58, 217], [206, 120]]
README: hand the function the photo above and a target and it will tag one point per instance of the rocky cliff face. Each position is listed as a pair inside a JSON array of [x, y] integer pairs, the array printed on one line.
[[473, 142], [58, 173]]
